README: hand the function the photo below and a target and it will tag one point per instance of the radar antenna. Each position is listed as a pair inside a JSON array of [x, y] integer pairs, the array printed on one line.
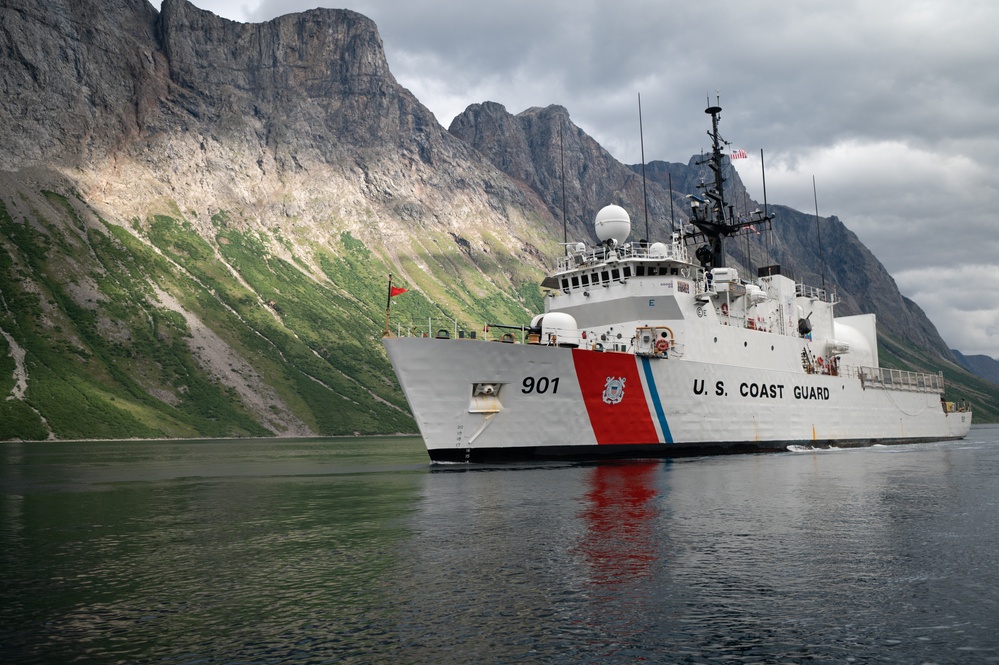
[[714, 218]]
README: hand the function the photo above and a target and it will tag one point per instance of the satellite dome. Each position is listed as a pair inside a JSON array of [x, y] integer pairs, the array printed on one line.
[[657, 250], [612, 223]]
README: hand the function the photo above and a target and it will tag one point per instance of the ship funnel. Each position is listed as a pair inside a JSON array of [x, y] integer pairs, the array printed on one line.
[[612, 223]]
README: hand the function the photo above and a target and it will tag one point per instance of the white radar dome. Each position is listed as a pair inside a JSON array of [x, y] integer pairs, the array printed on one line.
[[559, 328], [612, 223]]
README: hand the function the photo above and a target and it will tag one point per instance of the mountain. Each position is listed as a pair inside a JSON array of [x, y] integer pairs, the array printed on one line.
[[979, 365], [198, 218]]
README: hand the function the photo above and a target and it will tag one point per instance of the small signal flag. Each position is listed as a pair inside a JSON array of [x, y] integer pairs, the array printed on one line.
[[393, 291]]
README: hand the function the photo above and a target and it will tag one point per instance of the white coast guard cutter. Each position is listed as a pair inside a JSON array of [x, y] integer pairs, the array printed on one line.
[[644, 352]]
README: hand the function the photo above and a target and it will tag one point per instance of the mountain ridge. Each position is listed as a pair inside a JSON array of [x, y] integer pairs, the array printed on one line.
[[981, 365]]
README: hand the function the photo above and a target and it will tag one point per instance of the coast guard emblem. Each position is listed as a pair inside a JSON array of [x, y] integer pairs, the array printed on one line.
[[614, 390]]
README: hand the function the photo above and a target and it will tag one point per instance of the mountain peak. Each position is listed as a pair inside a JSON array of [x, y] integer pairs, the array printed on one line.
[[321, 53], [95, 77]]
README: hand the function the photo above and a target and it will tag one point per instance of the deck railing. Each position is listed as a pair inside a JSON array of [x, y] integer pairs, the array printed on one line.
[[596, 255], [813, 292], [883, 377]]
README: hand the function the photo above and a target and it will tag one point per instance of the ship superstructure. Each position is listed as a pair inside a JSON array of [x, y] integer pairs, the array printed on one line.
[[645, 350]]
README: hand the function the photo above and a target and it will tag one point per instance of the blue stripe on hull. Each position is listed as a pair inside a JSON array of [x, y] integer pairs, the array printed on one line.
[[650, 381]]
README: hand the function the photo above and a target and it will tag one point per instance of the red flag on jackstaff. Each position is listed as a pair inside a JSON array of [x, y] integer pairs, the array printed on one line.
[[393, 291]]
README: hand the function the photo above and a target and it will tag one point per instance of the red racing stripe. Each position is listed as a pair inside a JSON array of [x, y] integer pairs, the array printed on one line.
[[619, 412]]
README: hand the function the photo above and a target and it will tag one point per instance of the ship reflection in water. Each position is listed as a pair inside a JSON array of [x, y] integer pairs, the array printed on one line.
[[620, 541]]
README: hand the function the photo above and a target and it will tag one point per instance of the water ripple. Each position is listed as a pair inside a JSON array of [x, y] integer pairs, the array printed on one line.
[[327, 551]]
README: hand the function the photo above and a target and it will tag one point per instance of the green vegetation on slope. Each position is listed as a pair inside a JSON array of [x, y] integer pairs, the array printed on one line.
[[93, 365], [105, 317]]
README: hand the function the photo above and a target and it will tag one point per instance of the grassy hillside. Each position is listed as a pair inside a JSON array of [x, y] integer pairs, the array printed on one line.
[[154, 331]]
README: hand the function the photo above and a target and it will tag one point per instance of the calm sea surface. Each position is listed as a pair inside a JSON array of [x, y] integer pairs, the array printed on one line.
[[359, 551]]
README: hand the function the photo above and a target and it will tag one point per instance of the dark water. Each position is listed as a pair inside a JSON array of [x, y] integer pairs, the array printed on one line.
[[357, 551]]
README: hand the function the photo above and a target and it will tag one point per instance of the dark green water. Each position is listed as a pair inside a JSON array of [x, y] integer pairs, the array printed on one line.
[[358, 551]]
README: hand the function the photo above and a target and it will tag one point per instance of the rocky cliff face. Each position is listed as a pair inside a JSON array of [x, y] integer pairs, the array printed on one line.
[[197, 219], [79, 79], [532, 148], [318, 79]]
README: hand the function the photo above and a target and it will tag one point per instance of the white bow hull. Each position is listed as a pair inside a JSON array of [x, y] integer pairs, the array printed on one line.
[[543, 402]]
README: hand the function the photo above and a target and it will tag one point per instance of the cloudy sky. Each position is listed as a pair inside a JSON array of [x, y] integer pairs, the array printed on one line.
[[892, 106]]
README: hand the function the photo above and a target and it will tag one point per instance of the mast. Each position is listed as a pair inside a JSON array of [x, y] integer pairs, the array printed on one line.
[[713, 223], [565, 223], [641, 140], [818, 232]]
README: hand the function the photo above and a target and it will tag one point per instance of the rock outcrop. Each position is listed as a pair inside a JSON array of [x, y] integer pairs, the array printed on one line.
[[79, 79], [317, 80], [532, 147]]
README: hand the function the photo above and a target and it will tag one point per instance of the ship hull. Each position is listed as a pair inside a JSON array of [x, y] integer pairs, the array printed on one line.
[[478, 401]]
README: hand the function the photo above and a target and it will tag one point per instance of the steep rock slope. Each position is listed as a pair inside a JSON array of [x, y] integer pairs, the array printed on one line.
[[532, 146], [79, 79], [199, 216]]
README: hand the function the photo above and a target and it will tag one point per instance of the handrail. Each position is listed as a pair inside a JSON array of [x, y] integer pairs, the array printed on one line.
[[898, 379], [602, 254], [814, 293]]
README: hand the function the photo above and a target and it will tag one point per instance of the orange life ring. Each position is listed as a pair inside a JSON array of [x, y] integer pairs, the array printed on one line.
[[725, 308], [662, 346]]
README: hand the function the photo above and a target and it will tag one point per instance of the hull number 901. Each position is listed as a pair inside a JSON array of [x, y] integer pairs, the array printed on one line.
[[540, 385]]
